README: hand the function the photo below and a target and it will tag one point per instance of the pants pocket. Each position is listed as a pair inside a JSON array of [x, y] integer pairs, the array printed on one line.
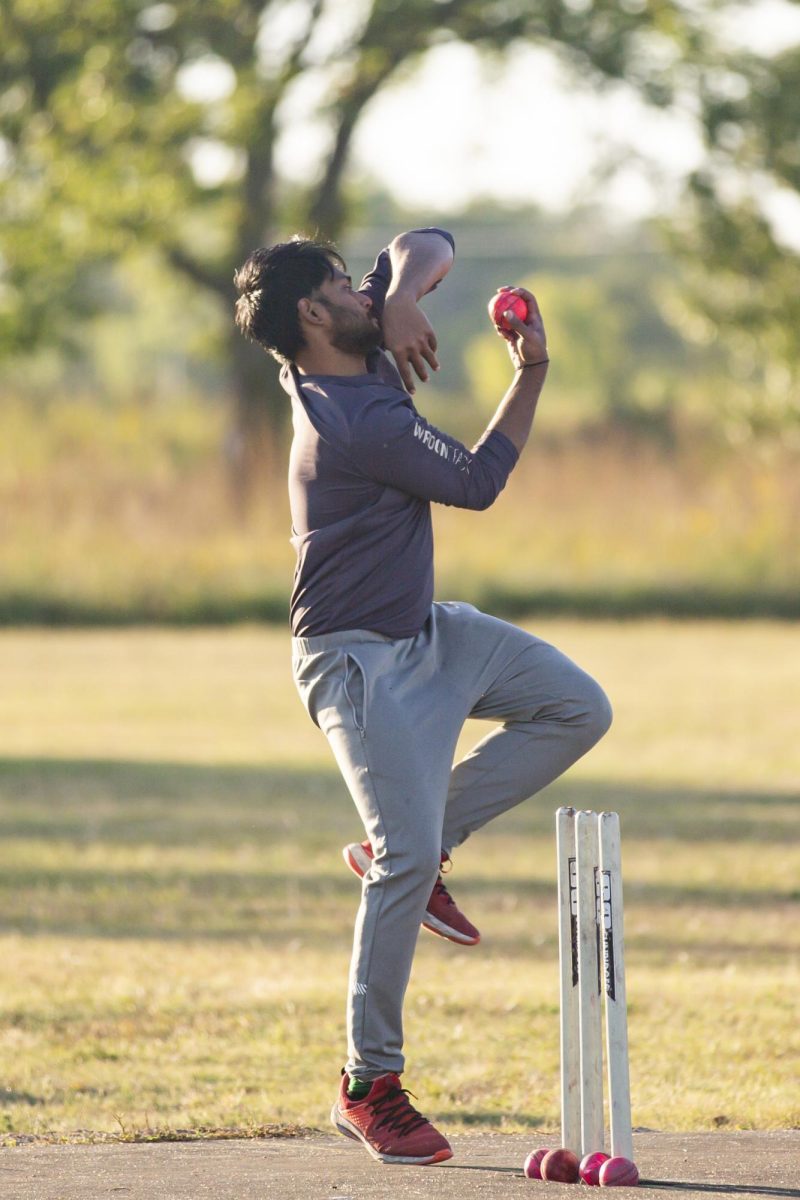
[[355, 690]]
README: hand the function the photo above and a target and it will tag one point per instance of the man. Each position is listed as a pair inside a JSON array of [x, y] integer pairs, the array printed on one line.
[[387, 674]]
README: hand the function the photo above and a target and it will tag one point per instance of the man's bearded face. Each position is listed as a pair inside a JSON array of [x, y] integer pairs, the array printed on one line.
[[354, 330]]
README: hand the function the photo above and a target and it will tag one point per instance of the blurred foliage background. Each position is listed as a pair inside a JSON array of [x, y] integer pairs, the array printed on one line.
[[142, 441]]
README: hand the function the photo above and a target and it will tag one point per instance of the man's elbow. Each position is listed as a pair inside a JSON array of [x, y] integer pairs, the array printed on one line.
[[431, 244], [482, 499]]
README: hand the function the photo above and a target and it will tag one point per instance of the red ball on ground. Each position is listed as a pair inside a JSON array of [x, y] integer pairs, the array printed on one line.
[[533, 1164], [619, 1172], [589, 1169], [560, 1166], [506, 301]]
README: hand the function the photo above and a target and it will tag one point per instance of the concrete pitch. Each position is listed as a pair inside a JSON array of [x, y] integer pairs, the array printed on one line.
[[692, 1166]]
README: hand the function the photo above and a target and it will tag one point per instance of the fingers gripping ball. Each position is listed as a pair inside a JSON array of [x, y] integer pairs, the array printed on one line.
[[590, 1167], [505, 301], [560, 1166], [619, 1172], [533, 1164]]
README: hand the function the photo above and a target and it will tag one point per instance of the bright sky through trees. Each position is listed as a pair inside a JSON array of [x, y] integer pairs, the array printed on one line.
[[455, 128]]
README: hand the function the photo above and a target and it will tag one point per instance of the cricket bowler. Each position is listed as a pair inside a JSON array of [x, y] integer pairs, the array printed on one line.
[[387, 673]]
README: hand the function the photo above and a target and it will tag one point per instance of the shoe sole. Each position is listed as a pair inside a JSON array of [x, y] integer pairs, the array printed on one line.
[[341, 1123], [359, 863], [434, 925]]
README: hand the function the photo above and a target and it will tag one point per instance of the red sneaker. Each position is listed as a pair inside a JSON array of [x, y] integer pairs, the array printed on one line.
[[388, 1125], [442, 916]]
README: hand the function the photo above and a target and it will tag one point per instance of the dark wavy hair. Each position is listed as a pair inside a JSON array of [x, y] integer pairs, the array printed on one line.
[[271, 282]]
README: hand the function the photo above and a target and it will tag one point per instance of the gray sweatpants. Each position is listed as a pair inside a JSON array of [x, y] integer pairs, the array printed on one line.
[[392, 711]]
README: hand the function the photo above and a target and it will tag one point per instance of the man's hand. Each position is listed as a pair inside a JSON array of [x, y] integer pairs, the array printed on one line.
[[420, 259], [408, 333], [527, 343], [527, 346]]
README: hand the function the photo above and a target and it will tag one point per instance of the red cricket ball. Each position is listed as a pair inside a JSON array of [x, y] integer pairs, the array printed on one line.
[[533, 1164], [619, 1172], [560, 1166], [503, 302], [589, 1169]]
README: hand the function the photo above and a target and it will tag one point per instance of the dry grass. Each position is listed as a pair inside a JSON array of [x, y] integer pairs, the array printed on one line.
[[128, 510]]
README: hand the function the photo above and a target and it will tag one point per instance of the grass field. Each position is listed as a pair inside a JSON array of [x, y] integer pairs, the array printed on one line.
[[176, 917]]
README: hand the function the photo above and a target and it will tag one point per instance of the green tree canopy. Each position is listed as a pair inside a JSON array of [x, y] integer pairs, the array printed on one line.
[[128, 123], [743, 270]]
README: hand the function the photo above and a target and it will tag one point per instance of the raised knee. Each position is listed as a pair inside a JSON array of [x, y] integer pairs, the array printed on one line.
[[599, 713]]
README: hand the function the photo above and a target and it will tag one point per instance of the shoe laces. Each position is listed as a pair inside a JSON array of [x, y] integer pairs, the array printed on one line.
[[442, 892], [396, 1111]]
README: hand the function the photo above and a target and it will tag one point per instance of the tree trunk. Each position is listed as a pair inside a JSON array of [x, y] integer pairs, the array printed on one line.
[[259, 420]]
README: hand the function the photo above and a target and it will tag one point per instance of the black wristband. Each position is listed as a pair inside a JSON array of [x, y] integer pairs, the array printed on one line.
[[541, 363]]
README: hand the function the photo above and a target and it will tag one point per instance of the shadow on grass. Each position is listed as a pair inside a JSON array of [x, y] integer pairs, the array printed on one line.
[[697, 602], [172, 850], [185, 803]]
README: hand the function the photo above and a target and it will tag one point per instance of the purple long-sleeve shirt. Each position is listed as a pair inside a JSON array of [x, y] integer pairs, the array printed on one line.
[[363, 471]]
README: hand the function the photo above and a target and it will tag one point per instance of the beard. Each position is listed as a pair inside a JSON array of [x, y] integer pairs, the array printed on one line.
[[354, 333]]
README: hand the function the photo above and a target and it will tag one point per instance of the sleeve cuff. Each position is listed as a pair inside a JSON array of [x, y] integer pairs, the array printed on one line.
[[502, 446], [442, 232]]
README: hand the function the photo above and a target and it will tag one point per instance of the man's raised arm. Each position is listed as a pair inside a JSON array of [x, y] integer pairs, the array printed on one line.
[[419, 261], [527, 346]]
